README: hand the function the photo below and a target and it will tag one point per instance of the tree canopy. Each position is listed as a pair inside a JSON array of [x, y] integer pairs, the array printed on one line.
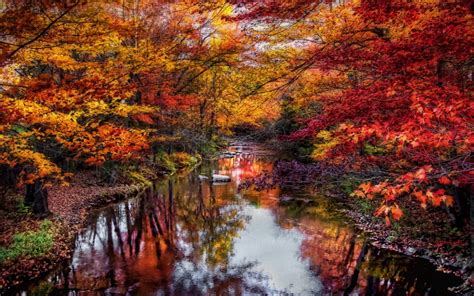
[[384, 87]]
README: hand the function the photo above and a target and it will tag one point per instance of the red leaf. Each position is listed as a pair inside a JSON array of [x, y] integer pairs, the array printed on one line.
[[397, 213], [444, 180]]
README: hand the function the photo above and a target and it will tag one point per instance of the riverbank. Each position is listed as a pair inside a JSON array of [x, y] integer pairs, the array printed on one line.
[[71, 207], [30, 246], [132, 246], [423, 233], [69, 210]]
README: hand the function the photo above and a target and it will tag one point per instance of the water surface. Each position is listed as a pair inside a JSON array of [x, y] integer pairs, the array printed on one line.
[[186, 236]]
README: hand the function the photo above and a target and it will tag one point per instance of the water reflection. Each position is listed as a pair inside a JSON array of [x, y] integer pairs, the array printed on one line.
[[277, 251], [173, 238], [185, 236]]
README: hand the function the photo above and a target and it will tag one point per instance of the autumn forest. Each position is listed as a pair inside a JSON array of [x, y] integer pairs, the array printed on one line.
[[145, 145]]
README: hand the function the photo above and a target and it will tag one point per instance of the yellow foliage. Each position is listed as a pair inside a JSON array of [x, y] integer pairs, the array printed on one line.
[[326, 143]]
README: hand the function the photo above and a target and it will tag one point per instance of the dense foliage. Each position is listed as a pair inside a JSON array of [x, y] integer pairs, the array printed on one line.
[[108, 83], [393, 80]]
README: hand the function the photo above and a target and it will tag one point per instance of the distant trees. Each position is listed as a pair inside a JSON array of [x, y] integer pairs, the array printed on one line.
[[99, 84]]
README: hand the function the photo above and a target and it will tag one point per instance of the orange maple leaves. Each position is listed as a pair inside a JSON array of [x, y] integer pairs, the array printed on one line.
[[116, 144], [420, 184]]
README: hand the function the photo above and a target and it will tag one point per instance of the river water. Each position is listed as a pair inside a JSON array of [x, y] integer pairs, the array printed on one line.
[[186, 236]]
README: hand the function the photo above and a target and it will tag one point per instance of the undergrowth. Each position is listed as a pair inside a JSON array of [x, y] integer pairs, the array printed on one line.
[[30, 243]]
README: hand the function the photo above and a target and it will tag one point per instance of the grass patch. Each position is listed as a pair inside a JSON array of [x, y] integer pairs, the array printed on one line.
[[29, 243]]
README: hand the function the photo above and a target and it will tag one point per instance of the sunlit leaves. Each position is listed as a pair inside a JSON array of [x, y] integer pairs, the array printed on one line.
[[403, 111]]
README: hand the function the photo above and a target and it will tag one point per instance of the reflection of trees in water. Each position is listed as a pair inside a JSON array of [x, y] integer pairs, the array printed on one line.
[[332, 251], [207, 223], [148, 239], [191, 279], [177, 238], [347, 265], [387, 273]]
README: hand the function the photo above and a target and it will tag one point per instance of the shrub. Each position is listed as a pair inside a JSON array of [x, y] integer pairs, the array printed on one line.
[[183, 159]]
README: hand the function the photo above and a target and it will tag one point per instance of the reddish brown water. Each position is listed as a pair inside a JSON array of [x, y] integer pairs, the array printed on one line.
[[186, 236]]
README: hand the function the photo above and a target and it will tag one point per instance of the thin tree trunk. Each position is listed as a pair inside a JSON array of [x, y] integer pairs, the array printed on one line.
[[355, 275], [37, 197]]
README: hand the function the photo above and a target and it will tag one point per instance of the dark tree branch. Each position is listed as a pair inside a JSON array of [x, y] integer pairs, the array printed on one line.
[[42, 32]]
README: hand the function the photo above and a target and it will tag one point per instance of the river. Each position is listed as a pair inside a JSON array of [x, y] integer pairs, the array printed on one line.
[[186, 236]]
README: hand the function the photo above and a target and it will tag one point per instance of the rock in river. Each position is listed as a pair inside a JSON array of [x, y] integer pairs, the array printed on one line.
[[220, 178]]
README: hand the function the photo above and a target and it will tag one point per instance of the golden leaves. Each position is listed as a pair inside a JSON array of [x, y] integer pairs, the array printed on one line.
[[34, 164], [326, 141]]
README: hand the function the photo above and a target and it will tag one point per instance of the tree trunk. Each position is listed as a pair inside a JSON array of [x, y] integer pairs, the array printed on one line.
[[355, 275], [210, 131], [37, 198]]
